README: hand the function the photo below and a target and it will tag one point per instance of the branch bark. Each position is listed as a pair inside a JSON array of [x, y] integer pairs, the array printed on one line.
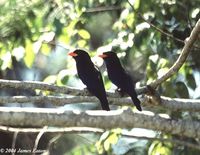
[[39, 85], [32, 85], [38, 117], [172, 104]]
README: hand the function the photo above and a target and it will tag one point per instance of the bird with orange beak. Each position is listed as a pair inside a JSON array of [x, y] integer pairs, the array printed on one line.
[[120, 77], [90, 76]]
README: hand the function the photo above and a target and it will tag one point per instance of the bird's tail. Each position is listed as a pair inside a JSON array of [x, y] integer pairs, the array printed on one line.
[[137, 102], [104, 104]]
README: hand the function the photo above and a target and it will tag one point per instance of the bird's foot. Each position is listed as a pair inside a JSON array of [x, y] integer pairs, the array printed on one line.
[[120, 92], [87, 92], [85, 89]]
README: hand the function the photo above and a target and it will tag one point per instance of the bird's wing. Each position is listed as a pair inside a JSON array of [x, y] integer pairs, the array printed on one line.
[[130, 77], [98, 73], [97, 70]]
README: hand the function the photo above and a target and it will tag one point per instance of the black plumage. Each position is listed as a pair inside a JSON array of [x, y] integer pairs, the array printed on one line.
[[120, 77], [90, 76]]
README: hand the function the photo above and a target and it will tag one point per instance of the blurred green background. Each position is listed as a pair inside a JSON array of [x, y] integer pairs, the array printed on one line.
[[36, 35]]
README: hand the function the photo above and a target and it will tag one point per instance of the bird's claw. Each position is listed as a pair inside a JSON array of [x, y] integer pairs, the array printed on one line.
[[120, 92], [87, 92]]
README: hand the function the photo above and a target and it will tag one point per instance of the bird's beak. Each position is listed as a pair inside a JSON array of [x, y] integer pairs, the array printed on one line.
[[103, 56], [72, 54]]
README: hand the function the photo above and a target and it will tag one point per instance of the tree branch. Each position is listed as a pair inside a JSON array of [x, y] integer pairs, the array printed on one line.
[[180, 104], [102, 9], [172, 104], [32, 85], [97, 119], [52, 130], [182, 57], [41, 86]]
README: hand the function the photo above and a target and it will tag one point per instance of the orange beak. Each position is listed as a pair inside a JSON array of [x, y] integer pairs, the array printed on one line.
[[103, 56], [72, 54]]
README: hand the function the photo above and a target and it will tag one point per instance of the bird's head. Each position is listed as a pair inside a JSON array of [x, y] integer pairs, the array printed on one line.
[[79, 54], [108, 56]]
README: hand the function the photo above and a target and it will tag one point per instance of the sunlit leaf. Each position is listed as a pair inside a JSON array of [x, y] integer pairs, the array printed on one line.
[[50, 79], [160, 148], [29, 54], [106, 145], [113, 138], [18, 52], [64, 38], [108, 84], [45, 49], [104, 135], [136, 4], [99, 147], [195, 12], [81, 43], [6, 61], [84, 34], [130, 19]]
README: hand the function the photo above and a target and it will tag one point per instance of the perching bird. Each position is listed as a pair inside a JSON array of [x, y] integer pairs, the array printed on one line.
[[120, 77], [90, 76]]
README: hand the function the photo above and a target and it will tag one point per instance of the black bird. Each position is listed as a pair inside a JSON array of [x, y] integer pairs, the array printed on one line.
[[90, 76], [120, 77]]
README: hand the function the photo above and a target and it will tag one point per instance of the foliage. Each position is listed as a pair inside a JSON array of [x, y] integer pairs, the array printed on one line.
[[36, 35]]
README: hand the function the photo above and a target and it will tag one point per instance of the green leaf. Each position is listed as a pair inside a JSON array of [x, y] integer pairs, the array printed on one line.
[[112, 139], [45, 49], [191, 81], [29, 54], [136, 4], [58, 26], [181, 90], [159, 148], [82, 43], [6, 61], [63, 77], [84, 34], [168, 89], [50, 79]]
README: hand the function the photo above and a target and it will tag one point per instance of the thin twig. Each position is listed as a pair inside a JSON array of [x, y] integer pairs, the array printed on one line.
[[67, 48], [182, 57], [14, 141], [158, 29], [102, 9], [38, 139]]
